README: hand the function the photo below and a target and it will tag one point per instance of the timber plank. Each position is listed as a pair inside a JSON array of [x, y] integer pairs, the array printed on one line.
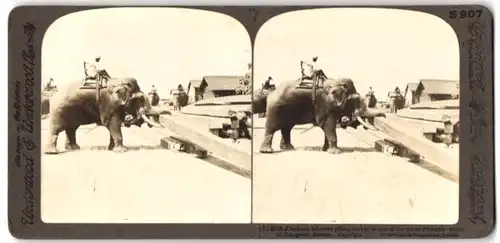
[[433, 115], [442, 104], [226, 100], [414, 140], [219, 111], [198, 133]]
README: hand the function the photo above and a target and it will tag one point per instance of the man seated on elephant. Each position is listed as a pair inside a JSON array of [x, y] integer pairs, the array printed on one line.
[[92, 72], [153, 90], [397, 91], [370, 92], [49, 86], [312, 71], [267, 84]]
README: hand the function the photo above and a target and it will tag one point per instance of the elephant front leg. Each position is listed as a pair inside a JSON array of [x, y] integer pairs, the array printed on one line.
[[115, 132], [71, 139], [286, 143], [111, 144], [330, 129]]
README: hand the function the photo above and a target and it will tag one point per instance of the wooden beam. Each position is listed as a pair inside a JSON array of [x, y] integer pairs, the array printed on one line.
[[198, 133], [414, 140], [383, 142]]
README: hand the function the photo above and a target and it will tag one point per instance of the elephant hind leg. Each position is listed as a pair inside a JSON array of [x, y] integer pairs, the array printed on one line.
[[51, 147], [71, 139], [266, 146], [286, 143]]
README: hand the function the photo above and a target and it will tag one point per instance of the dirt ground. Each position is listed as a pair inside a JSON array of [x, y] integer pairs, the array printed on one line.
[[146, 184], [359, 186]]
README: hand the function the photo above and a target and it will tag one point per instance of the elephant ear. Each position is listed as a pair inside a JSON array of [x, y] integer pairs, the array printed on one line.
[[348, 85]]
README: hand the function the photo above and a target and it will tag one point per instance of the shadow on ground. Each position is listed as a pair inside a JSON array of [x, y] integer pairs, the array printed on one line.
[[320, 149]]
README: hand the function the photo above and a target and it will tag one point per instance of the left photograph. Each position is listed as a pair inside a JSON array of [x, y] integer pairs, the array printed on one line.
[[146, 117]]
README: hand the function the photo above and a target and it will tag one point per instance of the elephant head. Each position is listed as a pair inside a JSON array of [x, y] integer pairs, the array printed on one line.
[[141, 109], [339, 91], [357, 109], [127, 97]]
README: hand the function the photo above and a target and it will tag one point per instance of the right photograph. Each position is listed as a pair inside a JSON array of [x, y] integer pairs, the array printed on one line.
[[356, 118]]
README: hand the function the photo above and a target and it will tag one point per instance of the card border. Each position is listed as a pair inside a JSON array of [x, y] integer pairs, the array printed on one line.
[[477, 195]]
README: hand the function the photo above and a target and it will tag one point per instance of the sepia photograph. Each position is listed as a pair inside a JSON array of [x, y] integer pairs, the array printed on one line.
[[146, 117], [355, 118]]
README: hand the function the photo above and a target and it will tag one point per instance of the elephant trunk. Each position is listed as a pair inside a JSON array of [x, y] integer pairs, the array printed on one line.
[[364, 112]]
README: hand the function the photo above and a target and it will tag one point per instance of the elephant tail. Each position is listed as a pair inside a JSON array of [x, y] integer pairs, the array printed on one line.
[[259, 103]]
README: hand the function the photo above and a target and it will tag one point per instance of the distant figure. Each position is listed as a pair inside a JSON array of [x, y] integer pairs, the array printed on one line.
[[370, 92], [153, 90], [267, 84], [397, 91], [180, 88], [50, 85]]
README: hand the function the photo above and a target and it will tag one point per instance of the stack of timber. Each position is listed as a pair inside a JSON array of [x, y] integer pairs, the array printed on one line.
[[198, 129]]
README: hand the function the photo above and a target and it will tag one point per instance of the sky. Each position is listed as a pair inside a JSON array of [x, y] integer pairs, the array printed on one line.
[[158, 46], [381, 48]]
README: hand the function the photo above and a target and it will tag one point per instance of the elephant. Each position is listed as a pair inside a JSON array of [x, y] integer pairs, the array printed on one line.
[[370, 100], [77, 106], [155, 100], [180, 100], [396, 102], [290, 105]]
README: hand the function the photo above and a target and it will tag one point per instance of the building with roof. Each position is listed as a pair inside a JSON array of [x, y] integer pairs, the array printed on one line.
[[409, 94], [436, 89], [213, 86], [194, 90]]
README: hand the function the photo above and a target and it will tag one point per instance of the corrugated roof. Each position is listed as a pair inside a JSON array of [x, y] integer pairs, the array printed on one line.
[[222, 82], [439, 86]]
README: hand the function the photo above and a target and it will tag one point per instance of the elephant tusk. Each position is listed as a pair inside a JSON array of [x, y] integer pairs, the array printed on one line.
[[148, 121], [366, 125], [158, 111]]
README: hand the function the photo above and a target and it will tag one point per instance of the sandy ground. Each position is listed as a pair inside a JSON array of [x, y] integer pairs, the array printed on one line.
[[359, 186], [147, 184]]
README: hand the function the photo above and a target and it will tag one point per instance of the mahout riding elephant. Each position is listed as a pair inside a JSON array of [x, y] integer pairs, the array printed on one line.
[[155, 100], [396, 102], [179, 100], [370, 100], [75, 107], [288, 106]]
